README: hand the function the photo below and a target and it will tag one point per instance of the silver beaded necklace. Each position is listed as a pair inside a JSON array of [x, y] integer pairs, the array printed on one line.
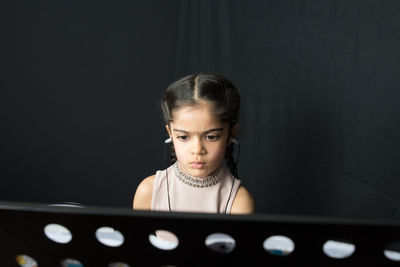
[[207, 181]]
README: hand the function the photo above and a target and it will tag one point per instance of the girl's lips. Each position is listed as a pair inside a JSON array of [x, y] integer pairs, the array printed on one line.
[[197, 165]]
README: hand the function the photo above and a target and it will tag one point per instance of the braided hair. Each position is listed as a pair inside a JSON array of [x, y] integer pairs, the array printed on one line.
[[213, 88]]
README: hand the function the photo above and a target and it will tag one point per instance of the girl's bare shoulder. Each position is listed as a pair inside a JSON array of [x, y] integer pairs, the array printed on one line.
[[243, 202], [144, 194]]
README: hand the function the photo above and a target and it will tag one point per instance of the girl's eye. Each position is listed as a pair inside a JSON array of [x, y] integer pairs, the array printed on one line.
[[183, 137], [212, 137]]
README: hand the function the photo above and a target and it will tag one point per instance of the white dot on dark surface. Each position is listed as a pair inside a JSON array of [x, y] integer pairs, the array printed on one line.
[[26, 261], [57, 233], [279, 245], [71, 263], [109, 236], [220, 242], [338, 249], [164, 240], [392, 251]]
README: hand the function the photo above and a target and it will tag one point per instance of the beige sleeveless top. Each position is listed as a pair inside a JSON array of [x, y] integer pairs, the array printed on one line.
[[186, 197]]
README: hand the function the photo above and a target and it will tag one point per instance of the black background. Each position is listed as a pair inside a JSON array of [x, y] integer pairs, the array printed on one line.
[[320, 134]]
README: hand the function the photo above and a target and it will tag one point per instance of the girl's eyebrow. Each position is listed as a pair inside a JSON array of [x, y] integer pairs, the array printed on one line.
[[208, 131]]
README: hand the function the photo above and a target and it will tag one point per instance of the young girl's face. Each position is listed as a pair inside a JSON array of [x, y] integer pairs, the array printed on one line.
[[200, 140]]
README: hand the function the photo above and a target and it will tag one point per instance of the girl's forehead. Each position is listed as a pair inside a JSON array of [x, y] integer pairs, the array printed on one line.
[[196, 118]]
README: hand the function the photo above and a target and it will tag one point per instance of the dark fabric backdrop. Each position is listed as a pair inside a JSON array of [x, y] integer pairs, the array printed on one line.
[[320, 134]]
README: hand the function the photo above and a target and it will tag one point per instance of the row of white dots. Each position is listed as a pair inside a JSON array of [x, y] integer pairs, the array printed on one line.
[[218, 242], [27, 261], [278, 245]]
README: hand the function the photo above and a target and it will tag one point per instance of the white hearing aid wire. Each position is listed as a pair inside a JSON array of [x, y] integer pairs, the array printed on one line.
[[234, 141]]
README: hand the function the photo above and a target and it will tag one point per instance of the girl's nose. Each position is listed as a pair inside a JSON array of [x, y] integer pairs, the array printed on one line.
[[198, 147]]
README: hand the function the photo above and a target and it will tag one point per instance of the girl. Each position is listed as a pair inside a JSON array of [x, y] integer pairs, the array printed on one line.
[[201, 116]]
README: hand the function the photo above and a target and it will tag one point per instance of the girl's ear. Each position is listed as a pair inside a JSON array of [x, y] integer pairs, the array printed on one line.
[[234, 130], [233, 133], [168, 130], [168, 140]]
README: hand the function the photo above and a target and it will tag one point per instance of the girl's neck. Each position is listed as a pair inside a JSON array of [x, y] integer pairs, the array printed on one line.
[[194, 181]]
